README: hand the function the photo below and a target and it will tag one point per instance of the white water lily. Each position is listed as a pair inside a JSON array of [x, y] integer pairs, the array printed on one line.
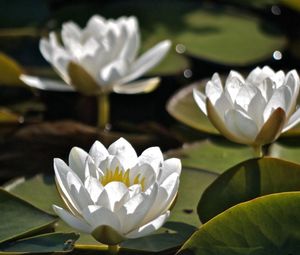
[[113, 194], [255, 110], [100, 58]]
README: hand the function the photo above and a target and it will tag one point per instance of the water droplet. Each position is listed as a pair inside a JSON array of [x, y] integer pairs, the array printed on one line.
[[276, 10], [180, 48], [187, 73], [277, 55]]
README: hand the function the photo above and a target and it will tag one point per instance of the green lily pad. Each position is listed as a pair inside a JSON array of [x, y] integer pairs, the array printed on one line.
[[183, 107], [266, 225], [286, 152], [47, 243], [218, 34], [19, 218], [46, 196], [211, 155], [248, 180], [182, 223]]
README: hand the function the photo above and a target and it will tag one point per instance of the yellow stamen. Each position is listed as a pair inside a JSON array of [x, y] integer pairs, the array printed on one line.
[[119, 176]]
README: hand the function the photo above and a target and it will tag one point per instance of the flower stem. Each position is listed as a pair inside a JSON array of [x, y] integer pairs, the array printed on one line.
[[258, 151], [113, 249], [103, 110]]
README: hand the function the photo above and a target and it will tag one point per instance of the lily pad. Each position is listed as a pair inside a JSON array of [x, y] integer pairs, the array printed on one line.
[[183, 107], [47, 243], [248, 180], [182, 223], [10, 71], [218, 34], [266, 225], [211, 155], [286, 152], [19, 218]]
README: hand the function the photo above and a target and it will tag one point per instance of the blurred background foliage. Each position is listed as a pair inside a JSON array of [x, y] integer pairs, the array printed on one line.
[[208, 36]]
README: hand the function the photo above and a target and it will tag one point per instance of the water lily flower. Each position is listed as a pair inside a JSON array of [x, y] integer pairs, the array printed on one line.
[[113, 194], [100, 58], [255, 110]]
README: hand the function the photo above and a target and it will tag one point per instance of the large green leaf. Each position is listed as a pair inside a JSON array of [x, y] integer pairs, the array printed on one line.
[[248, 180], [46, 196], [266, 225], [222, 35], [180, 226], [19, 218], [47, 243], [183, 107], [212, 155]]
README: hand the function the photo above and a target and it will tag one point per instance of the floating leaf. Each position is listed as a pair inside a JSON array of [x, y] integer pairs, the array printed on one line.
[[47, 243], [248, 180], [266, 225], [19, 218], [213, 156], [8, 117], [224, 35], [10, 71], [46, 196], [183, 107], [283, 151], [294, 4]]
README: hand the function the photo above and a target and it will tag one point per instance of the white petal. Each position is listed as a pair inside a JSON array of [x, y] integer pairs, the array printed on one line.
[[134, 211], [132, 43], [92, 170], [216, 80], [70, 32], [172, 165], [98, 216], [152, 156], [222, 105], [148, 60], [46, 84], [293, 121], [78, 192], [149, 227], [113, 72], [241, 125], [71, 220], [143, 172], [77, 160], [280, 99], [93, 187], [213, 92], [124, 151], [292, 81], [245, 95], [256, 108], [267, 88], [140, 86], [166, 194], [114, 193], [200, 100], [98, 152], [61, 170], [234, 84]]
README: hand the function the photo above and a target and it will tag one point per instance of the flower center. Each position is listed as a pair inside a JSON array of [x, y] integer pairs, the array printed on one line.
[[118, 175]]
